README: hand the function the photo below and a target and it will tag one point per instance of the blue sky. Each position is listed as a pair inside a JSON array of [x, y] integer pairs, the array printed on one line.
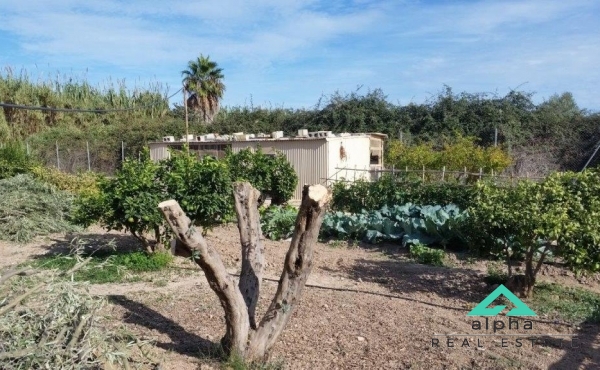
[[290, 52]]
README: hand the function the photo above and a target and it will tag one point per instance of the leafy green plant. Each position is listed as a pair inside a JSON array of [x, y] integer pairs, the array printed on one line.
[[108, 267], [129, 200], [278, 222], [201, 186], [389, 190], [427, 256], [457, 153], [534, 220], [495, 274], [14, 160], [409, 224], [572, 304], [272, 175], [85, 182]]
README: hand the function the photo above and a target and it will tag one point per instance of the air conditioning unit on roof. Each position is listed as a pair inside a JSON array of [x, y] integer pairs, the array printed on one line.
[[169, 138]]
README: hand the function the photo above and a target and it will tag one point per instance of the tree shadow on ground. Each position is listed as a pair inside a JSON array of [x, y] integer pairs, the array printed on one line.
[[582, 351], [182, 341], [405, 277], [96, 244]]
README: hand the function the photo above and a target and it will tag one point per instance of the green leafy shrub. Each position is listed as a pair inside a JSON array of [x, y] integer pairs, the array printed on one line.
[[14, 160], [427, 256], [85, 182], [272, 175], [30, 208], [202, 187], [387, 191], [278, 222], [129, 201], [409, 224], [531, 221], [456, 154]]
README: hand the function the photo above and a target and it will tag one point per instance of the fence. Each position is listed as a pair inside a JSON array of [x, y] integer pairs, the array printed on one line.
[[429, 175], [82, 156]]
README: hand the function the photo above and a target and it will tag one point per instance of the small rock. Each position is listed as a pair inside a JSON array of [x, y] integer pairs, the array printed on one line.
[[325, 306], [480, 348], [361, 339], [359, 280]]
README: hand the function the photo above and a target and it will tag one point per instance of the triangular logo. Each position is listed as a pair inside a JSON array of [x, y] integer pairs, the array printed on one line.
[[520, 309]]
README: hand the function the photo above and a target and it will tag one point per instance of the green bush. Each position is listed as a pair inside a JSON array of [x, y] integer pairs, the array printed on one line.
[[202, 187], [532, 221], [14, 160], [457, 153], [388, 191], [85, 182], [129, 201], [278, 222], [272, 175], [427, 256]]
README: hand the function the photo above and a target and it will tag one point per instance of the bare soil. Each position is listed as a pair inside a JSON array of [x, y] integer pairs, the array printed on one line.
[[364, 307]]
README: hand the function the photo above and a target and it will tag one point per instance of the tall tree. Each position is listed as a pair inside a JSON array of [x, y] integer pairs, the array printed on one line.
[[204, 81]]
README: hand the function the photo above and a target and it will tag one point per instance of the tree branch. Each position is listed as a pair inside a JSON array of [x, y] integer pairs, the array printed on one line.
[[236, 314], [297, 267], [246, 208]]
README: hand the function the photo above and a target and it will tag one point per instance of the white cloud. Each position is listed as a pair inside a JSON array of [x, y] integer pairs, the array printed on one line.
[[295, 50]]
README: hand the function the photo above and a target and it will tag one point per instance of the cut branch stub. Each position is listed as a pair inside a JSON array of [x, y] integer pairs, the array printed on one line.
[[236, 314], [297, 267], [246, 208]]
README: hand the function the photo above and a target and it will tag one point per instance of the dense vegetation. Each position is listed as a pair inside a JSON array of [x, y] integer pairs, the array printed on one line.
[[203, 188], [555, 134]]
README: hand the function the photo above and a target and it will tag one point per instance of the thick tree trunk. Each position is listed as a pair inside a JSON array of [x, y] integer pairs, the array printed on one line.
[[240, 304], [236, 315], [246, 208], [297, 267]]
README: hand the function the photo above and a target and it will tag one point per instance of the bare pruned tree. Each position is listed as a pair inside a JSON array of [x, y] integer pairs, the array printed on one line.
[[244, 336]]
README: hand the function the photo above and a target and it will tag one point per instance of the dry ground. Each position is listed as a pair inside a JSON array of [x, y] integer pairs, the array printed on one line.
[[364, 308]]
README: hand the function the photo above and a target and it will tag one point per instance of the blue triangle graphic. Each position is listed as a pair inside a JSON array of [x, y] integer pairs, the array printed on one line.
[[521, 309]]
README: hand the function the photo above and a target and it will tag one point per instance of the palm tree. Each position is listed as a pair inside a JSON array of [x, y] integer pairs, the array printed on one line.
[[203, 80]]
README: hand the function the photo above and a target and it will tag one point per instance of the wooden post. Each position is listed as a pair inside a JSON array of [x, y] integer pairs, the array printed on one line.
[[87, 147], [27, 144], [480, 173], [122, 151], [443, 172], [57, 157], [423, 173]]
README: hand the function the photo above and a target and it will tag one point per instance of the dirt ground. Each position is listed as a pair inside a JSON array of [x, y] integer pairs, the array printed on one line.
[[363, 308]]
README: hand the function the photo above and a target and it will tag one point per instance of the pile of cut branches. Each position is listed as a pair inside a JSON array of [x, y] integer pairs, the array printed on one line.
[[49, 322], [30, 208]]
